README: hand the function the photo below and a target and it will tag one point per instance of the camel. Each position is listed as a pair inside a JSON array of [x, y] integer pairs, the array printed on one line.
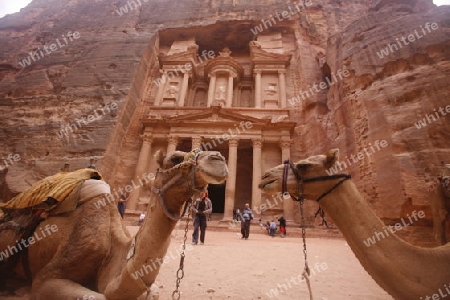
[[91, 255], [404, 271]]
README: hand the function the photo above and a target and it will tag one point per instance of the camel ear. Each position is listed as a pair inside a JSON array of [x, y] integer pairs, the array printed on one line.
[[159, 158], [332, 157]]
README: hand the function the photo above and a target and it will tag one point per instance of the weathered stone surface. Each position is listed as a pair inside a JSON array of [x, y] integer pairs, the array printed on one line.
[[115, 60]]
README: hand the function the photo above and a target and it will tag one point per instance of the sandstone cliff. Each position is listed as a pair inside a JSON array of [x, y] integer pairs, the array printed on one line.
[[114, 61]]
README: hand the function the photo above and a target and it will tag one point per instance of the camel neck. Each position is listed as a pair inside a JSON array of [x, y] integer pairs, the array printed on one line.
[[151, 244], [394, 264]]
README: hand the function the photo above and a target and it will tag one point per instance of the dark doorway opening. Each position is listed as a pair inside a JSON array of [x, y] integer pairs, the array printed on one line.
[[216, 193]]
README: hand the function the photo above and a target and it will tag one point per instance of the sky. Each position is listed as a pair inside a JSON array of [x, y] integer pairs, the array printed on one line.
[[12, 6]]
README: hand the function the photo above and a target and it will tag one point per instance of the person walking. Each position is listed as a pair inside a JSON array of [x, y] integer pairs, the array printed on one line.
[[247, 217], [282, 221], [122, 204], [201, 209]]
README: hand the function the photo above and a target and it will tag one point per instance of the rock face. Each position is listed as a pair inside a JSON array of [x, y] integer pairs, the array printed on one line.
[[77, 77]]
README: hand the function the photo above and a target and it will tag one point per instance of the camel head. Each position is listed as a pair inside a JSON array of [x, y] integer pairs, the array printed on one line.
[[199, 168], [311, 167]]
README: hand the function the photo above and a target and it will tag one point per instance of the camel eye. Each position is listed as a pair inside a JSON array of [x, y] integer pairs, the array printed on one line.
[[302, 167], [177, 159]]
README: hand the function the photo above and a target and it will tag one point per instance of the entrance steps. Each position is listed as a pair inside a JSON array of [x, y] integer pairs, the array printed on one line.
[[217, 224]]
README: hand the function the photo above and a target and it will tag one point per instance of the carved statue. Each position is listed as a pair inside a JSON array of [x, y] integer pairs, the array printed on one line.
[[172, 91], [220, 92]]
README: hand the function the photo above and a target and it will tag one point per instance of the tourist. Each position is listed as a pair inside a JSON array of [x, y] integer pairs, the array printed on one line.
[[201, 209], [122, 204], [141, 219], [282, 226], [247, 217], [267, 226], [273, 228]]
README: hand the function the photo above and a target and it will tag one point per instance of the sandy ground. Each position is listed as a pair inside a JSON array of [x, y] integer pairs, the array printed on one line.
[[227, 267], [262, 267]]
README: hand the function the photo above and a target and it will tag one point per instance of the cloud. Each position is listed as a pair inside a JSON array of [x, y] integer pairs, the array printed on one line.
[[9, 7], [441, 2]]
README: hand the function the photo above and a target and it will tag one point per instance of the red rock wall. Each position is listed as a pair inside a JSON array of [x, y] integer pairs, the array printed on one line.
[[114, 61]]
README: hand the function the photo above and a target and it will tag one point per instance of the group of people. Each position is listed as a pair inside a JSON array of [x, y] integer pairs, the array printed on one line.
[[201, 210], [271, 227]]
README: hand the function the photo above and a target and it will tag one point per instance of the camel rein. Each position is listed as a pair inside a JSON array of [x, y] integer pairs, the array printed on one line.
[[289, 165]]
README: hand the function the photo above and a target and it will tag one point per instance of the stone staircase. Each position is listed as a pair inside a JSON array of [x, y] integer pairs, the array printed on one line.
[[217, 224]]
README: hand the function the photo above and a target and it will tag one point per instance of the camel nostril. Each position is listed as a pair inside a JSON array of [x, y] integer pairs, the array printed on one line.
[[217, 157]]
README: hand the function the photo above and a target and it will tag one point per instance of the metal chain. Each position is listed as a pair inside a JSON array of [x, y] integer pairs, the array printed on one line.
[[306, 271], [176, 295], [305, 251]]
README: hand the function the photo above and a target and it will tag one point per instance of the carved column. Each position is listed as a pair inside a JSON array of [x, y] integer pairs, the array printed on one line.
[[184, 87], [161, 89], [257, 88], [282, 83], [212, 89], [172, 143], [196, 143], [230, 189], [229, 102], [256, 192], [288, 203], [141, 168]]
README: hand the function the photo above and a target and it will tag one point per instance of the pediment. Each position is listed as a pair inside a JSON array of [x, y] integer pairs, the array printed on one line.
[[214, 115], [259, 56], [180, 57]]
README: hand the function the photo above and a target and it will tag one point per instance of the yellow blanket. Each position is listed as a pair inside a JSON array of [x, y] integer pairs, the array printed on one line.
[[58, 186]]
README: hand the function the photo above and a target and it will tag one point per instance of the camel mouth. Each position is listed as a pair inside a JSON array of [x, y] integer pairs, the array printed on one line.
[[216, 173], [214, 178], [265, 183]]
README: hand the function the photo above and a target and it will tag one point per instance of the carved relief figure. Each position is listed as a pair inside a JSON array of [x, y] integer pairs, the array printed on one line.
[[200, 98], [220, 92], [225, 52], [271, 90], [246, 99], [172, 90]]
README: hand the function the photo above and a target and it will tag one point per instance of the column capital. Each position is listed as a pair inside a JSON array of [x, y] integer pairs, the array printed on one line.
[[146, 137], [257, 143], [232, 74], [233, 142], [188, 72], [285, 143], [213, 74], [257, 71], [172, 140], [282, 71]]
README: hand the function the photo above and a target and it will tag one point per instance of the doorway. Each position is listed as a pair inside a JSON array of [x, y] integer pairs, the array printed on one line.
[[216, 192]]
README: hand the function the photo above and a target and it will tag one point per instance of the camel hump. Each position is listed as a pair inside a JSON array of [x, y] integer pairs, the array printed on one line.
[[92, 188]]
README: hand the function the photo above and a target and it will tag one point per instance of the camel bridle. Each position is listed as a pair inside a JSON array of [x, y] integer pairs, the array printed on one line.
[[190, 161], [300, 181]]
